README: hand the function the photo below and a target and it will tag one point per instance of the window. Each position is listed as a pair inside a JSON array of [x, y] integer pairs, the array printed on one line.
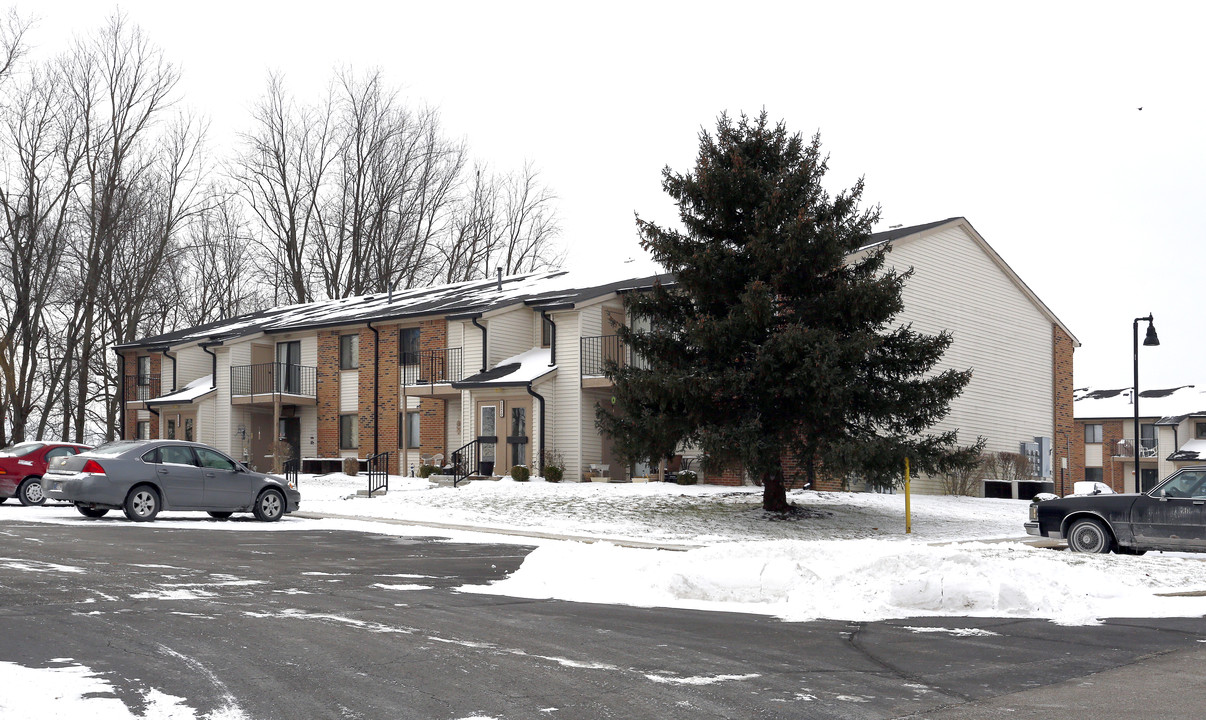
[[171, 429], [1199, 430], [546, 332], [1094, 475], [1092, 433], [144, 370], [349, 432], [210, 459], [349, 352], [58, 452], [143, 430], [413, 431], [188, 429], [409, 346], [176, 455]]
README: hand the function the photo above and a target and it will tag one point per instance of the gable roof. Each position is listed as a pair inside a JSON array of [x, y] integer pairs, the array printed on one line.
[[470, 299], [919, 232], [1170, 405]]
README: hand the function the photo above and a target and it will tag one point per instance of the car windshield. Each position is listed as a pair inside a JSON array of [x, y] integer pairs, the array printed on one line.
[[20, 449], [115, 448], [1188, 483]]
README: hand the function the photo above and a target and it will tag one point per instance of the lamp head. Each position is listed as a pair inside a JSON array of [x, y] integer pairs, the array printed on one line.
[[1151, 338]]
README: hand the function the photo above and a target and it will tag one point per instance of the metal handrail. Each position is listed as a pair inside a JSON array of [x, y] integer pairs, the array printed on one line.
[[465, 460], [274, 379], [292, 471], [378, 472], [431, 367]]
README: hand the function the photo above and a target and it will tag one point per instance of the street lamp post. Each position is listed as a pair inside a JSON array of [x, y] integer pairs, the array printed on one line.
[[1150, 340]]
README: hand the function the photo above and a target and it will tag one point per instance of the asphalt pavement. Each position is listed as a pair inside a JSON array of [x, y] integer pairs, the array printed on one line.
[[337, 624]]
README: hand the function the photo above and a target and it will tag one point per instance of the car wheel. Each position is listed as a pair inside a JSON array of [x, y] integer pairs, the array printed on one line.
[[91, 512], [30, 492], [220, 514], [1089, 536], [270, 505], [142, 504]]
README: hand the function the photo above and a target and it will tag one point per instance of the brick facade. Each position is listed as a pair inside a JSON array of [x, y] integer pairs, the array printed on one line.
[[433, 335], [379, 379], [328, 393], [1062, 421]]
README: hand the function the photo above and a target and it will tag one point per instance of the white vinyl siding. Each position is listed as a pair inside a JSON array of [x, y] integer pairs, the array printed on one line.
[[510, 334], [566, 432], [193, 363], [998, 332]]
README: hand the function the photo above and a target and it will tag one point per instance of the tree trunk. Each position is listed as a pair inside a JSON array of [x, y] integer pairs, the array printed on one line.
[[774, 492]]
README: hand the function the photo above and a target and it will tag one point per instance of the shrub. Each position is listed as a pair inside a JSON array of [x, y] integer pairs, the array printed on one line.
[[519, 473], [554, 466], [351, 466], [428, 470], [687, 477]]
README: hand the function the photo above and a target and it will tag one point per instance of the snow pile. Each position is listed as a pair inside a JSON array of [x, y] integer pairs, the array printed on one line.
[[73, 691], [865, 580]]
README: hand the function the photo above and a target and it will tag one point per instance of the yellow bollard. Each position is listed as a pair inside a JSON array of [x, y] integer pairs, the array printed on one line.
[[908, 511]]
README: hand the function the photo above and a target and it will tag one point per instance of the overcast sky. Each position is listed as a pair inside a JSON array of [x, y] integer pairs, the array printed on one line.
[[1024, 119]]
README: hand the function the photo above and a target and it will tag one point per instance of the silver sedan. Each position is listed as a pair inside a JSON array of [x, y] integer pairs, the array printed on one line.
[[142, 477]]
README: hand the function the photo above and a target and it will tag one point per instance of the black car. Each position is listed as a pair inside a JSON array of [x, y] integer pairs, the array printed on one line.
[[1170, 516]]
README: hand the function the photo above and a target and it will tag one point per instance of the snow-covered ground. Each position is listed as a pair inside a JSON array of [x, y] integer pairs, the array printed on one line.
[[846, 557]]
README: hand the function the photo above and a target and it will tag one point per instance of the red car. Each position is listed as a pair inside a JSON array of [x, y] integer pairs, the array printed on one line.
[[22, 466]]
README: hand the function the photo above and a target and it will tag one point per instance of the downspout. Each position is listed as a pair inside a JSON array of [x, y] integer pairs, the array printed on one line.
[[175, 367], [213, 374], [540, 398], [483, 329], [376, 385], [553, 340]]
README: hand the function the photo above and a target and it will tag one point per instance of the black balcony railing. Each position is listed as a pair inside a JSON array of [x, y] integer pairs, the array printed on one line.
[[137, 388], [1147, 448], [274, 379], [431, 367], [597, 351]]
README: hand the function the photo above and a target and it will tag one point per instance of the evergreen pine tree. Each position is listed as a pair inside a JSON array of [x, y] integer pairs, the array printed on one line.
[[776, 339]]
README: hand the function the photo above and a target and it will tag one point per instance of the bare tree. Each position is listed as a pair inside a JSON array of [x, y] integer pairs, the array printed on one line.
[[280, 170], [39, 163], [120, 85]]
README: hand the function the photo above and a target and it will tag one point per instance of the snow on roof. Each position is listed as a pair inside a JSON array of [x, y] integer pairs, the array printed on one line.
[[198, 388], [476, 296], [519, 369], [1158, 403], [1189, 450]]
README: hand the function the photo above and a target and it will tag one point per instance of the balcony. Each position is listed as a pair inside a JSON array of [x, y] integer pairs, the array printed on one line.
[[270, 383], [596, 352], [140, 388], [432, 371], [1126, 448]]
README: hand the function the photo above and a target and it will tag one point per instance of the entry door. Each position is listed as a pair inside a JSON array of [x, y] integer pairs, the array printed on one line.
[[487, 437], [290, 430], [518, 418], [288, 358], [1148, 477]]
